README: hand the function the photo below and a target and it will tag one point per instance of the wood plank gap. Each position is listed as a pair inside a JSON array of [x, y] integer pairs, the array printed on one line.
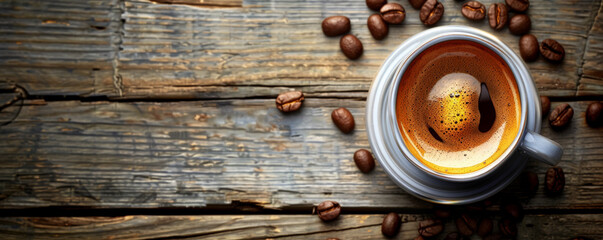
[[236, 210], [51, 98]]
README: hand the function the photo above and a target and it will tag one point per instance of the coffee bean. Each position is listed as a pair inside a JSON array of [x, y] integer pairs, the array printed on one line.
[[529, 48], [484, 228], [391, 224], [474, 10], [343, 119], [431, 12], [364, 160], [375, 4], [328, 210], [455, 236], [518, 5], [529, 182], [416, 4], [508, 227], [442, 212], [520, 24], [497, 16], [335, 25], [552, 51], [512, 209], [377, 26], [546, 105], [554, 181], [393, 13], [581, 238], [561, 116], [419, 238], [594, 114], [289, 101], [430, 227], [351, 46], [466, 225]]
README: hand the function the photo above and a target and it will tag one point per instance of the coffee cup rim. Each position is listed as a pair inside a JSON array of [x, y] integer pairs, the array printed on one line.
[[520, 74]]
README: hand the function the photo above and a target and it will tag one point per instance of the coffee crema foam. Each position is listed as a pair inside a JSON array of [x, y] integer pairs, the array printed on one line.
[[439, 107]]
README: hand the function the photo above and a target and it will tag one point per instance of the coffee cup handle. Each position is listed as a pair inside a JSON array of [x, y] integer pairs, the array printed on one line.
[[541, 148]]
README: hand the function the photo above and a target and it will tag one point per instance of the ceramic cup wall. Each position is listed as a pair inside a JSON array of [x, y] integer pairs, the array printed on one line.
[[417, 179]]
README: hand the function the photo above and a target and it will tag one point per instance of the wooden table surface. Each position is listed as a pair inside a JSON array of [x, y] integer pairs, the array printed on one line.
[[138, 119]]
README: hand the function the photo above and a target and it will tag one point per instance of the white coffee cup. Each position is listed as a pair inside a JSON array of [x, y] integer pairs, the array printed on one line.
[[416, 178]]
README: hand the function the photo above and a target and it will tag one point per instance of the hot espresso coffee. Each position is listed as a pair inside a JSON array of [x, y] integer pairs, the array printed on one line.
[[458, 107]]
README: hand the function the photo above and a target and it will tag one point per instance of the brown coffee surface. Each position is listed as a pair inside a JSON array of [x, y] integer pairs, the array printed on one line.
[[438, 107]]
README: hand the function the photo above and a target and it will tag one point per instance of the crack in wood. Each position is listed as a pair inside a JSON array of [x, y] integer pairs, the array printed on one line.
[[117, 78], [590, 30]]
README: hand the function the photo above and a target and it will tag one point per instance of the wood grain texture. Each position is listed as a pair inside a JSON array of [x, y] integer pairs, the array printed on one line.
[[257, 51], [270, 227], [171, 51], [204, 3], [226, 152], [591, 82], [65, 47]]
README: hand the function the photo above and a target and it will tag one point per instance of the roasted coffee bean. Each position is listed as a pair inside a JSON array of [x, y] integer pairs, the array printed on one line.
[[518, 5], [442, 212], [529, 48], [484, 228], [554, 181], [289, 101], [594, 114], [328, 210], [375, 4], [474, 10], [336, 25], [391, 224], [512, 209], [552, 51], [393, 13], [431, 12], [497, 16], [508, 227], [466, 224], [419, 238], [377, 26], [343, 119], [364, 160], [529, 182], [455, 236], [351, 46], [416, 4], [520, 24], [561, 116], [430, 227], [546, 105]]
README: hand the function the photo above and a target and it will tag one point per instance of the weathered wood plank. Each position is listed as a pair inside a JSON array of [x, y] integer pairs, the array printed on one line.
[[63, 47], [183, 52], [591, 82], [196, 153], [270, 227], [204, 3], [175, 51]]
